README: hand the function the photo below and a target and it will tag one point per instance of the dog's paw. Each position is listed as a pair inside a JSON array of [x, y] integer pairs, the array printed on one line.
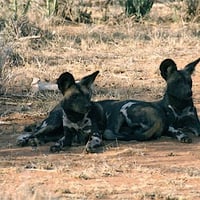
[[23, 140], [93, 144], [182, 136], [56, 148], [33, 142], [186, 140]]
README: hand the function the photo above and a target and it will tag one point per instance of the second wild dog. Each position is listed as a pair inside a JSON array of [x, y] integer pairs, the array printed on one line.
[[174, 115]]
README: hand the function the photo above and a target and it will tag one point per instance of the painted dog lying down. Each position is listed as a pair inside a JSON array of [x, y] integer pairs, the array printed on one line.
[[76, 117], [175, 115]]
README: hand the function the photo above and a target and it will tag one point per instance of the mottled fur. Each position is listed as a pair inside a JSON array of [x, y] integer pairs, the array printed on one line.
[[175, 115], [75, 118]]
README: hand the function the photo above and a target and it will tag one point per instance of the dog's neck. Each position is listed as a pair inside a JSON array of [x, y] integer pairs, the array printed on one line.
[[74, 116], [176, 104], [83, 125]]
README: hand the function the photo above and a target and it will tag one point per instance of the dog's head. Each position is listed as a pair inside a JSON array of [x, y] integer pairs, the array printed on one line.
[[179, 91], [77, 95], [179, 82]]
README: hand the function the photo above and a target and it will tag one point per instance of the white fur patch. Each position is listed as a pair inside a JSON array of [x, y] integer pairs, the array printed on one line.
[[172, 129], [44, 124], [188, 111], [23, 137], [123, 110], [179, 135], [80, 125], [95, 140]]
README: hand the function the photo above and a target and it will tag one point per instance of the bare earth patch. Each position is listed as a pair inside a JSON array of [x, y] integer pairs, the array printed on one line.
[[161, 169]]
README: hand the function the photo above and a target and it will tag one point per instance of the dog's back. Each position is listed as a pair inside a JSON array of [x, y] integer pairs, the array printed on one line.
[[175, 115]]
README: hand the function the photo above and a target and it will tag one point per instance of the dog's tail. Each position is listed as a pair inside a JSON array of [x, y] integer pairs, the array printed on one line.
[[153, 132]]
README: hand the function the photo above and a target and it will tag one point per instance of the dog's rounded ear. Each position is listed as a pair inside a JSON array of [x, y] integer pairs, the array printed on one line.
[[191, 66], [167, 67], [88, 80], [64, 81]]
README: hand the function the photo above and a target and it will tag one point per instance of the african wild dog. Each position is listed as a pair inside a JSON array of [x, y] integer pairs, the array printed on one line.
[[175, 115], [74, 118]]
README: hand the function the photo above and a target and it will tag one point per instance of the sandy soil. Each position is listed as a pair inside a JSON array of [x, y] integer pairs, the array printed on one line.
[[161, 169]]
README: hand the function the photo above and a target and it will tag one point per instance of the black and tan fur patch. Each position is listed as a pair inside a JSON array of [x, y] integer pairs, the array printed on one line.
[[75, 118], [175, 115]]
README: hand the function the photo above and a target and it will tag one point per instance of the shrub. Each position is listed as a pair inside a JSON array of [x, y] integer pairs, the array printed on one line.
[[193, 9]]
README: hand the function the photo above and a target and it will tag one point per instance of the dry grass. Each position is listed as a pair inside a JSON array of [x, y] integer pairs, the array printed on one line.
[[118, 51]]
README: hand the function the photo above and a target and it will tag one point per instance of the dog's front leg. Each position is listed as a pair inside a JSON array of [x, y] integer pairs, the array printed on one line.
[[97, 123], [179, 134], [95, 141], [190, 121], [66, 140]]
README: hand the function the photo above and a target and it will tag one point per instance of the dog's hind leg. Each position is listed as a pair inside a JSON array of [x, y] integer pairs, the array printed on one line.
[[50, 129], [114, 123], [23, 139], [136, 121], [42, 134], [47, 133], [66, 140], [145, 120]]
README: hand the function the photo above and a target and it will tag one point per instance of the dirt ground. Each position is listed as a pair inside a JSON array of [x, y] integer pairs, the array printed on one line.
[[128, 57], [161, 169]]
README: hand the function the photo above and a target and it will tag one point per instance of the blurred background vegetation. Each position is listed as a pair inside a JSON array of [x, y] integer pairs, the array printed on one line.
[[27, 24], [25, 18]]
